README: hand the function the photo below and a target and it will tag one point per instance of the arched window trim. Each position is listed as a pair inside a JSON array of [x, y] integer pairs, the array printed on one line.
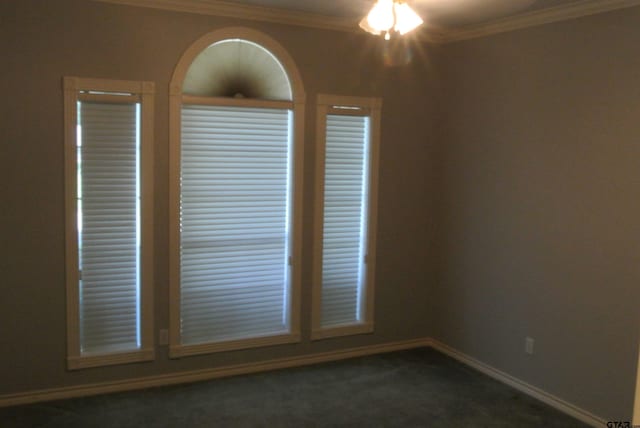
[[176, 99]]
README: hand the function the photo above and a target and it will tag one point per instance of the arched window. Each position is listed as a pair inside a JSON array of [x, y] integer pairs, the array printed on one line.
[[236, 112]]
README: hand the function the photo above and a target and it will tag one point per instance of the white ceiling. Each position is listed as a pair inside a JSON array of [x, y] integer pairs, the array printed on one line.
[[437, 13]]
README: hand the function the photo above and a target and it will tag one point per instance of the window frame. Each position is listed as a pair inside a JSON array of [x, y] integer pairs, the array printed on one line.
[[355, 106], [297, 106], [143, 92]]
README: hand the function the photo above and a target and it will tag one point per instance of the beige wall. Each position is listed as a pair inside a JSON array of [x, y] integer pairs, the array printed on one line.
[[540, 208], [523, 144], [44, 40]]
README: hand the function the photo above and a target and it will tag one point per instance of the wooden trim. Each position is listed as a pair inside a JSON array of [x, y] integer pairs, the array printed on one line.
[[636, 406], [84, 362], [142, 92], [318, 214], [176, 101], [297, 195], [71, 235], [372, 218], [279, 52], [349, 330], [175, 139], [237, 102], [248, 12], [337, 111], [206, 374], [106, 85], [371, 107], [330, 100], [42, 395], [110, 98], [512, 381], [576, 9], [339, 104], [147, 217], [179, 351]]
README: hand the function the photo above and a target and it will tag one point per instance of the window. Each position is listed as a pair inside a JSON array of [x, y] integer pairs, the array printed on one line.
[[108, 136], [346, 190], [234, 196]]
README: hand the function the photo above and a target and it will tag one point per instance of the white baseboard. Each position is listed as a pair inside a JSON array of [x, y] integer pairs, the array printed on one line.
[[281, 363], [636, 405], [520, 385], [206, 374]]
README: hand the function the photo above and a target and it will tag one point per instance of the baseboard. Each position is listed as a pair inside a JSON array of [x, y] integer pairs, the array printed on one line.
[[206, 374], [520, 385], [282, 363]]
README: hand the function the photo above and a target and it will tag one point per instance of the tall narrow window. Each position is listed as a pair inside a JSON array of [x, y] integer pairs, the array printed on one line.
[[108, 278], [345, 208], [235, 121]]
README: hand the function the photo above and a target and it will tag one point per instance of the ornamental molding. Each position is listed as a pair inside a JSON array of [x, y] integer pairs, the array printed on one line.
[[576, 9]]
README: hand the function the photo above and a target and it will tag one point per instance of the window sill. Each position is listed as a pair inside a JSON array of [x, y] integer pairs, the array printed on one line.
[[179, 351], [76, 363], [346, 330]]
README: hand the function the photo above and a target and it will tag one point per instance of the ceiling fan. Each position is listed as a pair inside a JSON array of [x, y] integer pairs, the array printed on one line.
[[390, 17]]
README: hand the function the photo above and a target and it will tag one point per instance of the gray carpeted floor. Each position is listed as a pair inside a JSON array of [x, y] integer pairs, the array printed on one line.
[[417, 388]]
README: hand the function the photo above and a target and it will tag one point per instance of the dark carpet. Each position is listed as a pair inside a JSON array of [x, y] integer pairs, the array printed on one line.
[[417, 388]]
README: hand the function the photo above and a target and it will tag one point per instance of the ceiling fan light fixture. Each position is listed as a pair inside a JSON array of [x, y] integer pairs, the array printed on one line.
[[390, 15], [406, 18], [381, 15]]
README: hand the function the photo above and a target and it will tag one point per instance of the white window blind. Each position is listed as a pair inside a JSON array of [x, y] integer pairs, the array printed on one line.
[[234, 223], [344, 220], [108, 208]]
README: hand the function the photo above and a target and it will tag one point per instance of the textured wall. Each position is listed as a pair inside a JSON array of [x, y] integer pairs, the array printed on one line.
[[42, 41], [524, 143], [540, 207]]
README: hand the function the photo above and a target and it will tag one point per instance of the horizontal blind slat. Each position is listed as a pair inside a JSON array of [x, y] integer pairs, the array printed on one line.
[[108, 228], [344, 199], [234, 202]]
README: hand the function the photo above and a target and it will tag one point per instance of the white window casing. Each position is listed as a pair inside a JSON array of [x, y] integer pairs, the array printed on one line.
[[108, 155], [235, 210], [345, 212]]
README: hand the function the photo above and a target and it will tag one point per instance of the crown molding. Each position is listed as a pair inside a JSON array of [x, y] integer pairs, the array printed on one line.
[[573, 10], [228, 9], [250, 12]]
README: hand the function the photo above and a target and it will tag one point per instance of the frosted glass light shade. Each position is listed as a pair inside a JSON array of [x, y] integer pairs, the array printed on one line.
[[406, 18], [388, 15], [381, 15]]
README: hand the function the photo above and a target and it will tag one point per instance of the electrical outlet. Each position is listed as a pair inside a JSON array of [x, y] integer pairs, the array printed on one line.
[[164, 337], [528, 345]]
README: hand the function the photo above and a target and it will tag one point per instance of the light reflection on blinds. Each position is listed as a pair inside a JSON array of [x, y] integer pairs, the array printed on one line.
[[234, 223], [345, 201], [108, 226]]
